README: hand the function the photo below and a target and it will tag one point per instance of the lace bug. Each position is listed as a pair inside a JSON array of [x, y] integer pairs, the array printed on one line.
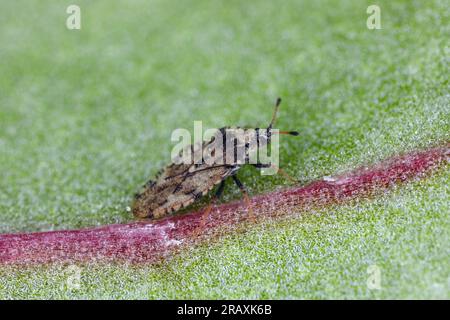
[[179, 185]]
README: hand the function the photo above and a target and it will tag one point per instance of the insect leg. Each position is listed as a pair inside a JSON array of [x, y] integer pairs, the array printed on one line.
[[281, 171], [208, 209], [262, 165], [246, 198]]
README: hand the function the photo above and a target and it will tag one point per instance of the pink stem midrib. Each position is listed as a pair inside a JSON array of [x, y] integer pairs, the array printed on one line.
[[150, 241]]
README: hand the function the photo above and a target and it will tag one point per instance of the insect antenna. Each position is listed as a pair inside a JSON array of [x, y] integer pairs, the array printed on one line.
[[292, 133], [274, 117], [275, 112]]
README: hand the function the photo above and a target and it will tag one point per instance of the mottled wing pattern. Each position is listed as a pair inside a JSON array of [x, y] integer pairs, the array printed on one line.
[[177, 186]]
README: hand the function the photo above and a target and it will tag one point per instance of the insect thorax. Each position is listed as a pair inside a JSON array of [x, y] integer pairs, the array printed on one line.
[[230, 146]]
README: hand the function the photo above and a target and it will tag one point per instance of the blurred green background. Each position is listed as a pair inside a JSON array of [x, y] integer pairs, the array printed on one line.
[[86, 117]]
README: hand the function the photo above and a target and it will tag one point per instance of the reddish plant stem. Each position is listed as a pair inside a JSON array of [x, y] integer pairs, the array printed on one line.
[[151, 241]]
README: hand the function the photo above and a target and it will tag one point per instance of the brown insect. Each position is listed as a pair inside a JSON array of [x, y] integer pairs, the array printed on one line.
[[179, 185]]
